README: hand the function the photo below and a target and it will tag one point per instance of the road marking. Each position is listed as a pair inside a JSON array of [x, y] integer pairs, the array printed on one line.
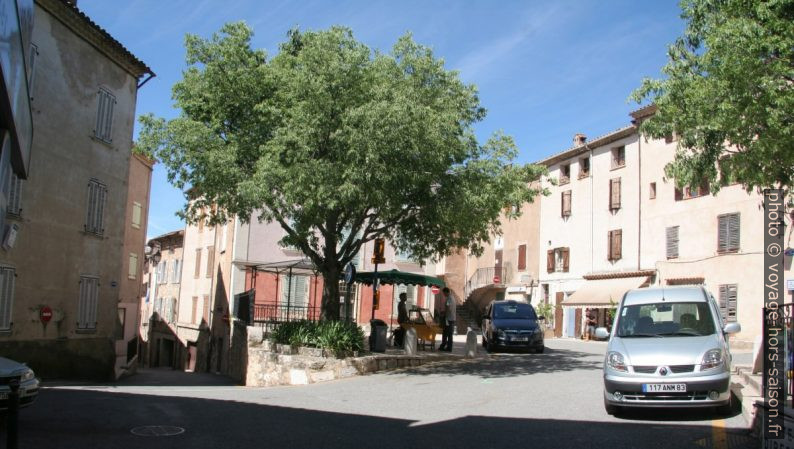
[[719, 439]]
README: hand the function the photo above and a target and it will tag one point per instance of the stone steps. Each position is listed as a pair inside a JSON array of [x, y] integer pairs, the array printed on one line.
[[746, 386]]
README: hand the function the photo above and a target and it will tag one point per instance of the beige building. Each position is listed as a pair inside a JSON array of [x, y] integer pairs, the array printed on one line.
[[202, 318], [67, 255], [161, 281], [614, 222], [138, 187]]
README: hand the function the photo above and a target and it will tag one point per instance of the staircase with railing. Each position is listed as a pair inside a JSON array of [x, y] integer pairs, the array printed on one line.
[[488, 276]]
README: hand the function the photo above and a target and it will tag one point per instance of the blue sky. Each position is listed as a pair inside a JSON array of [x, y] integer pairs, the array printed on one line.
[[545, 69]]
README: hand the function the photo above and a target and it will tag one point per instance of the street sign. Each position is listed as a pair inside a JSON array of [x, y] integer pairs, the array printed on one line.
[[45, 314], [435, 290], [790, 284], [496, 280], [350, 273]]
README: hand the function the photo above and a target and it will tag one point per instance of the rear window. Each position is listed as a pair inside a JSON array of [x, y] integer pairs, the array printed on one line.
[[665, 319], [517, 311]]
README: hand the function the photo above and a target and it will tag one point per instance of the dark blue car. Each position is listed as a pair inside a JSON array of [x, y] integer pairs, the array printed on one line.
[[512, 324]]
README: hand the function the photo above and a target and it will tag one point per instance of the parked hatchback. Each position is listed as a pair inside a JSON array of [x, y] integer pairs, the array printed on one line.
[[28, 383], [511, 324], [668, 348]]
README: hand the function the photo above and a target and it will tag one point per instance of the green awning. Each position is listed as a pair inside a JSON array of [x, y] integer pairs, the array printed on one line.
[[398, 277]]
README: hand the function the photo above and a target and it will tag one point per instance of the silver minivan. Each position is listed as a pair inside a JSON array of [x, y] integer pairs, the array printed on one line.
[[668, 348]]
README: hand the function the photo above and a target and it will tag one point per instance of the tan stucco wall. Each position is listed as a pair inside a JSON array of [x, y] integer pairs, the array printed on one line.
[[52, 251]]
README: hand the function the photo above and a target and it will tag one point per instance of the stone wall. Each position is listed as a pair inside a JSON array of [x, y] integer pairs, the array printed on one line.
[[267, 364]]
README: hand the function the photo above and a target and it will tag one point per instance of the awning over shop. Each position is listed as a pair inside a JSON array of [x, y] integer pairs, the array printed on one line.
[[599, 293], [398, 277]]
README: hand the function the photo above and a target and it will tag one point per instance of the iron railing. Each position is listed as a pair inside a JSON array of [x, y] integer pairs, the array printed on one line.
[[269, 316], [488, 276]]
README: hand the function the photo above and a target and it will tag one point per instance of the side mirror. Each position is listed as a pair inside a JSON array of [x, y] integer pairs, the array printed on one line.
[[732, 328], [602, 332]]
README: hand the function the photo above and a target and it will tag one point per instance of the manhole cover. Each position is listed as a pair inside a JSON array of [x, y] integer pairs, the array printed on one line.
[[157, 431]]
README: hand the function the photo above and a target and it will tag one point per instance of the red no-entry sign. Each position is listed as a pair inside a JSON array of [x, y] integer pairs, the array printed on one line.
[[45, 314], [435, 289], [496, 279]]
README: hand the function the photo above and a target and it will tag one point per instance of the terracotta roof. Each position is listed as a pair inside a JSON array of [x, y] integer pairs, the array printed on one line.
[[86, 28], [643, 112], [686, 281], [178, 233], [584, 148], [618, 274]]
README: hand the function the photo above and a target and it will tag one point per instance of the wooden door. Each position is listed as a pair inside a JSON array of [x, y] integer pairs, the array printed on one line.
[[558, 314]]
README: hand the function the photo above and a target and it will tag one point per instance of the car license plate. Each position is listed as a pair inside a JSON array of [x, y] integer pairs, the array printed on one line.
[[520, 339], [3, 396], [664, 388]]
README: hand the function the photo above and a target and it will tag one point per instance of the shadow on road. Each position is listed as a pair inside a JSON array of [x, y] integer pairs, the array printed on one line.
[[510, 365], [68, 418], [153, 377]]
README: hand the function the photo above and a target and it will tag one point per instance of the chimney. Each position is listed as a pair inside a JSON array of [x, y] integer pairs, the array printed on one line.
[[579, 139]]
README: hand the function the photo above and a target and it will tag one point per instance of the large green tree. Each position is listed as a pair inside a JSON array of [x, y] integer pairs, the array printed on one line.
[[339, 144], [728, 94]]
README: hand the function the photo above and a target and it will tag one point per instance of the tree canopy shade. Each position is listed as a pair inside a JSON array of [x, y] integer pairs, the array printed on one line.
[[729, 94], [339, 144]]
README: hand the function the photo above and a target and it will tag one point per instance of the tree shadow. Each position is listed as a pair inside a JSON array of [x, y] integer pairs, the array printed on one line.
[[64, 418], [512, 364]]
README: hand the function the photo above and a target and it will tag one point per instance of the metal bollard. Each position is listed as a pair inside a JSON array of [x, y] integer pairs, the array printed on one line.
[[471, 344], [410, 341], [12, 420]]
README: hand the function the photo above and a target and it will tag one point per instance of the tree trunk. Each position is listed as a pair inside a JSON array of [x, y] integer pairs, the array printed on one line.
[[330, 304]]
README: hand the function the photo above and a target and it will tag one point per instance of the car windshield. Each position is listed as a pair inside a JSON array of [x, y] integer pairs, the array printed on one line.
[[515, 311], [678, 319]]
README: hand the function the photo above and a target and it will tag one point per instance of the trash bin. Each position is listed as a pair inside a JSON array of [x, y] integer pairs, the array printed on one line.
[[377, 335]]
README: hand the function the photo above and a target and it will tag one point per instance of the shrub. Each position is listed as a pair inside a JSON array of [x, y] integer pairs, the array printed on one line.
[[337, 336]]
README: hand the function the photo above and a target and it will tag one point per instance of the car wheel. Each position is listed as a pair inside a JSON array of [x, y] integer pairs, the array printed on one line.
[[540, 350], [489, 346]]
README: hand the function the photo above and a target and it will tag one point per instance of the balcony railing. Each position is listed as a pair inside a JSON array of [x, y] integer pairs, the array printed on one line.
[[271, 315], [488, 276]]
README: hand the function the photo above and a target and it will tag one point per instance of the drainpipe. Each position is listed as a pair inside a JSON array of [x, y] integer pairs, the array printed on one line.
[[639, 200]]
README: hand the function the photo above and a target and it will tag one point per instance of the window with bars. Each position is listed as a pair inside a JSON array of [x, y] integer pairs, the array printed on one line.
[[566, 204], [672, 242], [14, 190], [95, 215], [104, 116], [87, 303], [615, 245], [728, 300], [614, 194], [728, 235], [7, 278]]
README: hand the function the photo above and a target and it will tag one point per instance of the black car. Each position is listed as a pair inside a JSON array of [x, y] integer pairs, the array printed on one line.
[[512, 324]]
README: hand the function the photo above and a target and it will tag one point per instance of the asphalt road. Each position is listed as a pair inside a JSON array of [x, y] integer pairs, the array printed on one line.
[[550, 400]]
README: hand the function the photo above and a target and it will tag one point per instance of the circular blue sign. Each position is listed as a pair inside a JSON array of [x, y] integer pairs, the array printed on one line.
[[350, 273]]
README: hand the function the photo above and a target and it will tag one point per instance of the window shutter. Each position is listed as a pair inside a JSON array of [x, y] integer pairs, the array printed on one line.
[[728, 302], [722, 234], [206, 311], [6, 297], [104, 120], [133, 269], [197, 271], [550, 261], [616, 194], [566, 203], [522, 257], [210, 260], [14, 193], [672, 242], [610, 245], [565, 260], [733, 232], [194, 310], [618, 252], [87, 302], [100, 214], [136, 214], [91, 200]]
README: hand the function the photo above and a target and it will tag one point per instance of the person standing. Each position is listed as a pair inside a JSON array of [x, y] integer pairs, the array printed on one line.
[[402, 317], [450, 310]]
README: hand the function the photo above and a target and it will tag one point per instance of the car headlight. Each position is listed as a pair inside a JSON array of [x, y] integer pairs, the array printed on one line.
[[712, 359], [616, 362], [27, 375], [500, 333]]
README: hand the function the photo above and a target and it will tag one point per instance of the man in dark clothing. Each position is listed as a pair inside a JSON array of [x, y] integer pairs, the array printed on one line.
[[450, 311], [402, 317]]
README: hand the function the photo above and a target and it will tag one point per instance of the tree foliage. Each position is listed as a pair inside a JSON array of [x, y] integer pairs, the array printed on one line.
[[728, 94], [339, 144]]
